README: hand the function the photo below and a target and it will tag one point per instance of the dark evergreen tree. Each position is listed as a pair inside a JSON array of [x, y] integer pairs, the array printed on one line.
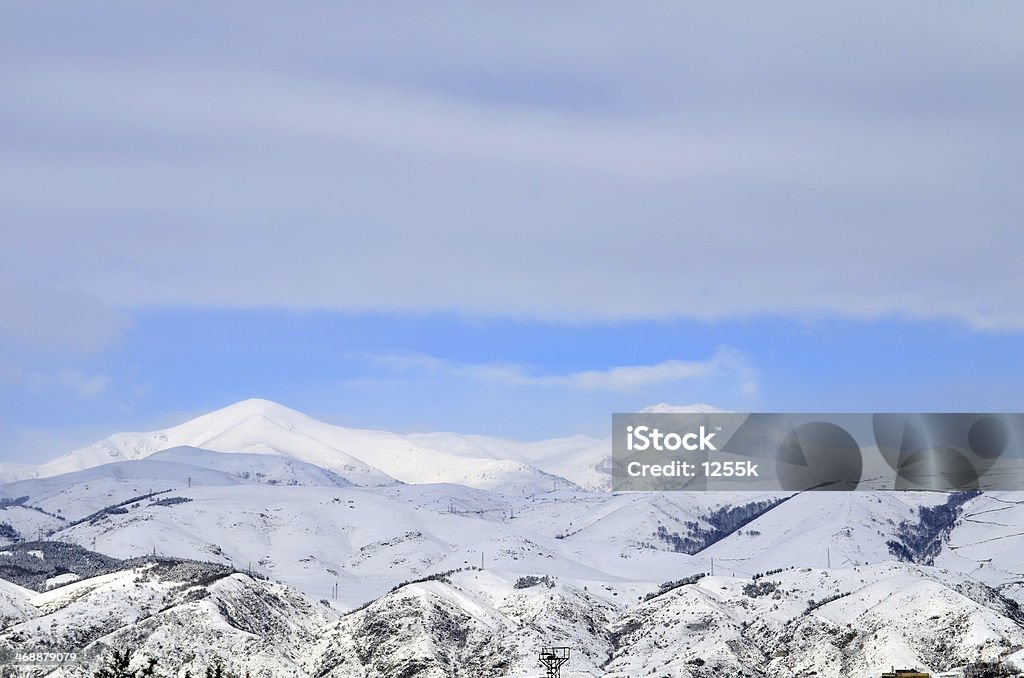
[[990, 670], [723, 521], [920, 542], [119, 666]]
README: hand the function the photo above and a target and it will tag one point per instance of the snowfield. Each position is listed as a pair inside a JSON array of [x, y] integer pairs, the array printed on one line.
[[289, 547]]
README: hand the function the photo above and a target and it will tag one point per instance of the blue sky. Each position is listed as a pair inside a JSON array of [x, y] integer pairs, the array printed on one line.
[[509, 220]]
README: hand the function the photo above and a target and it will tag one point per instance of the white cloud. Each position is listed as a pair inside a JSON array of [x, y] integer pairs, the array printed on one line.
[[84, 385], [36, 313], [853, 163], [725, 362], [68, 380]]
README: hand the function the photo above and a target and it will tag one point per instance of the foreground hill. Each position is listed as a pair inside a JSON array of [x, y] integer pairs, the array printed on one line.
[[189, 615], [829, 623]]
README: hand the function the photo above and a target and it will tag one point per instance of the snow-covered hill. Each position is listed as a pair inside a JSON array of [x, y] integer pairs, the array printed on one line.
[[834, 623], [360, 456], [309, 528], [186, 615], [988, 542], [253, 427], [857, 621], [467, 624], [292, 510]]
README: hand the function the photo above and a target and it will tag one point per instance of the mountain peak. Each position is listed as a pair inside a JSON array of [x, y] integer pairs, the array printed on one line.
[[257, 406], [697, 408]]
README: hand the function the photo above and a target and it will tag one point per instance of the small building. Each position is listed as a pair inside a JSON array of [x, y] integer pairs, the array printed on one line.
[[906, 673]]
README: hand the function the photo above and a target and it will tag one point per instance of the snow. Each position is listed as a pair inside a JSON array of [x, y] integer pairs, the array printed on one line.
[[360, 456], [14, 603], [61, 580], [665, 408], [316, 508]]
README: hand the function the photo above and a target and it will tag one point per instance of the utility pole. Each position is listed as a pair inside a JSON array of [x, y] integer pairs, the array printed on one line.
[[828, 558], [481, 560], [712, 567]]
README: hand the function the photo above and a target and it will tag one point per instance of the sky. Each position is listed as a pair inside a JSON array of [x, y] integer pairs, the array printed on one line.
[[505, 219]]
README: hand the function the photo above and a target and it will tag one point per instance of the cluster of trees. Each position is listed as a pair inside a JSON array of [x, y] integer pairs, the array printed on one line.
[[815, 604], [119, 507], [922, 541], [532, 580], [766, 574], [119, 665], [674, 584], [171, 501], [758, 589], [990, 670], [8, 502], [436, 576], [31, 563], [723, 521]]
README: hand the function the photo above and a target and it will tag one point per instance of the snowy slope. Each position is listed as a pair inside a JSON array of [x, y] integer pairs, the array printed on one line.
[[474, 623], [26, 522], [270, 469], [179, 613], [72, 496], [11, 471], [316, 508], [360, 456], [665, 408], [988, 542], [582, 460], [364, 541], [326, 533], [14, 604], [251, 426], [882, 615], [835, 623], [820, 528]]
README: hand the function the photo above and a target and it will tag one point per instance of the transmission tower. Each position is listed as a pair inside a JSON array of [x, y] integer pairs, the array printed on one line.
[[552, 659]]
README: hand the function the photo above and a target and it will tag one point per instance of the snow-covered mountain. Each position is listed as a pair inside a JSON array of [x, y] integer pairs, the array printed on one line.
[[360, 456], [858, 621], [187, 615], [665, 408], [292, 511], [801, 621]]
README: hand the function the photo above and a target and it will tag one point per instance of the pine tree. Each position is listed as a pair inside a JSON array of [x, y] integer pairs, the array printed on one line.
[[119, 666]]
